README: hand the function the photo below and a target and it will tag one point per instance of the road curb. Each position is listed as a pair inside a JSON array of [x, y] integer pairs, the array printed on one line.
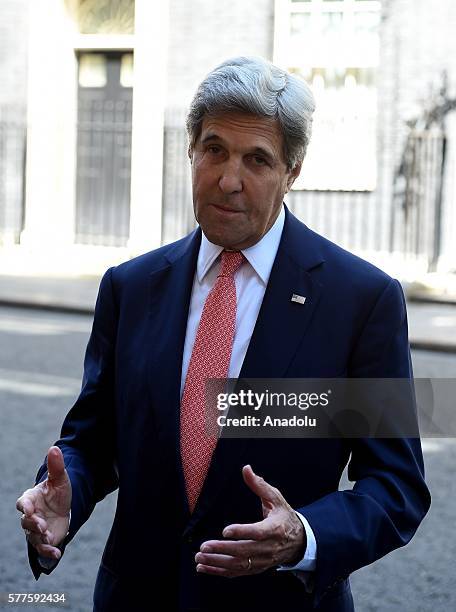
[[64, 308], [429, 345], [431, 299]]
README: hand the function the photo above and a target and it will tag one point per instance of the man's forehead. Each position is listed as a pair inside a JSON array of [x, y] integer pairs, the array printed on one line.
[[241, 121]]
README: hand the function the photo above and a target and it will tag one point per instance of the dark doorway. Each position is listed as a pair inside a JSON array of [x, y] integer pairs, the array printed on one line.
[[104, 148]]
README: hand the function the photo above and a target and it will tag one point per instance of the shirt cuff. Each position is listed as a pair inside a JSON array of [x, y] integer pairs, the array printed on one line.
[[47, 563], [309, 561]]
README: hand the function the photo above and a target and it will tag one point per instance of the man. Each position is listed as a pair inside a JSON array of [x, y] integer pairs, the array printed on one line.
[[245, 524]]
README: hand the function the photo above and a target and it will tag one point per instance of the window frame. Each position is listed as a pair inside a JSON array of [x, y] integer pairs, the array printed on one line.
[[284, 9]]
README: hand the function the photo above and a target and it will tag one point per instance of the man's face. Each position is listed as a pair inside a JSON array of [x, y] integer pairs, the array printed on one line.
[[239, 178]]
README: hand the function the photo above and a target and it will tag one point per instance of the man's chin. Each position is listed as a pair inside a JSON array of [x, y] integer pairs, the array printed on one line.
[[222, 239]]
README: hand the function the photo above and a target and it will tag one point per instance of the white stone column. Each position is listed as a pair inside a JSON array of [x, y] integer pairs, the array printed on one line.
[[51, 135], [149, 96]]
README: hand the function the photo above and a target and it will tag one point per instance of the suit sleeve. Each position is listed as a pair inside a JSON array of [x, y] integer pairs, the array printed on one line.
[[390, 497], [87, 438]]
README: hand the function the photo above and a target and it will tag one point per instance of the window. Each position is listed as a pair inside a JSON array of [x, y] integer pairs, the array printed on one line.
[[126, 70], [334, 45], [92, 70], [103, 16]]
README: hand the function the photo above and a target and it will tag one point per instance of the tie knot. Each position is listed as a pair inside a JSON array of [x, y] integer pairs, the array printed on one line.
[[231, 261]]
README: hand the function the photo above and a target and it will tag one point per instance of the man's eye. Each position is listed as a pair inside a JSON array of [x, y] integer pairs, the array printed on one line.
[[213, 149], [259, 161]]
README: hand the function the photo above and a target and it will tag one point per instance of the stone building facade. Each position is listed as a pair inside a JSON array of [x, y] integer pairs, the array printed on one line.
[[13, 105], [174, 44]]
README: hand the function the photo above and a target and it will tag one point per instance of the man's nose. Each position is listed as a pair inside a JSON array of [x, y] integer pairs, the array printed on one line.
[[230, 180]]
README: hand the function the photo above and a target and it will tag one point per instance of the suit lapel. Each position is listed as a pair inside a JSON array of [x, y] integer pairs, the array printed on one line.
[[169, 299], [282, 322], [279, 330]]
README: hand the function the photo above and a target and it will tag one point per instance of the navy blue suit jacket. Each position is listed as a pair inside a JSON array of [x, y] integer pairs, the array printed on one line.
[[123, 431]]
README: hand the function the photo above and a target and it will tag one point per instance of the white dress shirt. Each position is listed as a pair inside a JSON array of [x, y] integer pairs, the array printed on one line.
[[251, 280]]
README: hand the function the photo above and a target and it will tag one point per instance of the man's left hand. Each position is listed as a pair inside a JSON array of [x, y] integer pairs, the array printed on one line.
[[279, 539]]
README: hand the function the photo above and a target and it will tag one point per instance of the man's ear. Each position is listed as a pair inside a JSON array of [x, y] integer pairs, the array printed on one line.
[[293, 175], [190, 153]]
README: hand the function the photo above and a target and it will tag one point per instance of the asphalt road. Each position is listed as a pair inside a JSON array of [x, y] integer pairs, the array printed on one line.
[[40, 369]]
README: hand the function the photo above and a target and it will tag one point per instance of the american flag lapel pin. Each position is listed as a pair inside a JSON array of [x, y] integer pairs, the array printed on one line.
[[299, 299]]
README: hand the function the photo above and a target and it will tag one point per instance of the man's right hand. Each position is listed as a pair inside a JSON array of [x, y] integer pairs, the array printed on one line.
[[46, 508]]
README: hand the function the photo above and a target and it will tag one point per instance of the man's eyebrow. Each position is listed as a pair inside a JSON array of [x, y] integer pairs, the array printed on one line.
[[264, 153], [212, 136]]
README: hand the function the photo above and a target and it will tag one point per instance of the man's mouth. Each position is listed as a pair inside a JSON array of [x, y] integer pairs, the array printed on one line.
[[226, 209]]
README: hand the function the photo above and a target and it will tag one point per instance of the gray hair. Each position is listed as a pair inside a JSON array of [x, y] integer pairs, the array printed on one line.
[[255, 86]]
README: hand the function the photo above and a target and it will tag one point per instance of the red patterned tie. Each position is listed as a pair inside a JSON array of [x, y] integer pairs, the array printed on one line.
[[210, 359]]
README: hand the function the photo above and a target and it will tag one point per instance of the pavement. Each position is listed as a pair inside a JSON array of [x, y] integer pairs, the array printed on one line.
[[40, 376], [432, 317]]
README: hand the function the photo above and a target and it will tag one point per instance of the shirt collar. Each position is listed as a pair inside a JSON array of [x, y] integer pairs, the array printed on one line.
[[260, 256]]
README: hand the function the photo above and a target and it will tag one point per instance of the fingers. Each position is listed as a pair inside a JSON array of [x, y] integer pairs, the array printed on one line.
[[230, 557], [268, 494], [233, 554], [26, 502], [216, 571], [34, 523], [39, 536], [243, 548], [55, 465], [233, 564], [41, 544], [229, 566]]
